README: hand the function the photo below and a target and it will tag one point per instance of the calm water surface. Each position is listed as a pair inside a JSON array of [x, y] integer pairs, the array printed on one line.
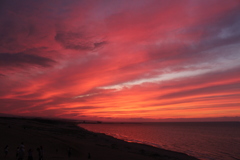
[[206, 141]]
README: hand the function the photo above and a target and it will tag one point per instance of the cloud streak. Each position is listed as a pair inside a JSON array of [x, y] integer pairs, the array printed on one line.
[[120, 60], [21, 59]]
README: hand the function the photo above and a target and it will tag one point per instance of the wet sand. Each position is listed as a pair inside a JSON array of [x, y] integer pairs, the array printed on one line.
[[56, 137]]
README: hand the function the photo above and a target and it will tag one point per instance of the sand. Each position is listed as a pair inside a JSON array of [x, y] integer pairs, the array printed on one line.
[[56, 137]]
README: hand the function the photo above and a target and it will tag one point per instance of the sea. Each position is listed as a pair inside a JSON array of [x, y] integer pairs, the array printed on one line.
[[203, 140]]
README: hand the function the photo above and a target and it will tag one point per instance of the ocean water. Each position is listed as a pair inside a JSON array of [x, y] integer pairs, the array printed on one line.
[[206, 141]]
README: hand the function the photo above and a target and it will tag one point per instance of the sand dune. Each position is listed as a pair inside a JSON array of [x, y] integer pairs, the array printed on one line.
[[58, 137]]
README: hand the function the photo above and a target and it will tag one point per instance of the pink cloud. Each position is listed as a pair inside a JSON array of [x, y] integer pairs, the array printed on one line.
[[120, 59]]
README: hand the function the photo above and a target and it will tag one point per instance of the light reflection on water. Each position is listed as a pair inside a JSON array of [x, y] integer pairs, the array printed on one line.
[[206, 141]]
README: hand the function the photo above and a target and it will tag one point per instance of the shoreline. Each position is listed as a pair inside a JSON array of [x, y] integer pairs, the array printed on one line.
[[155, 146], [130, 141], [59, 136]]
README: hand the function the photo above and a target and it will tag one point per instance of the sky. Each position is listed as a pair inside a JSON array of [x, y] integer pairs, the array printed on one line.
[[120, 60]]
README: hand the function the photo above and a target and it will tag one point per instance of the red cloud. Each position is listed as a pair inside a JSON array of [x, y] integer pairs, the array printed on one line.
[[123, 60]]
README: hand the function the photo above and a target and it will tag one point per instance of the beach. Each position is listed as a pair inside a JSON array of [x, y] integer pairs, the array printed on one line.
[[64, 140]]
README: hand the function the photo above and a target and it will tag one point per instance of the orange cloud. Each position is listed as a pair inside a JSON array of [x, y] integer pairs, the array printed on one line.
[[117, 60]]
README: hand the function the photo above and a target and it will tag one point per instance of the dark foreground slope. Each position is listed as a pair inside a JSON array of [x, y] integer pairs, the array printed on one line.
[[57, 137]]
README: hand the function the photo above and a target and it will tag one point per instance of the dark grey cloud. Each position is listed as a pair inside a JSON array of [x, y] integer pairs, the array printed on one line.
[[99, 44], [71, 40], [77, 41], [218, 31], [214, 32], [22, 59]]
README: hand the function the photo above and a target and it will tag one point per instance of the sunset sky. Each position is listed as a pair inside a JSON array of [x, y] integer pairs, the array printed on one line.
[[120, 60]]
